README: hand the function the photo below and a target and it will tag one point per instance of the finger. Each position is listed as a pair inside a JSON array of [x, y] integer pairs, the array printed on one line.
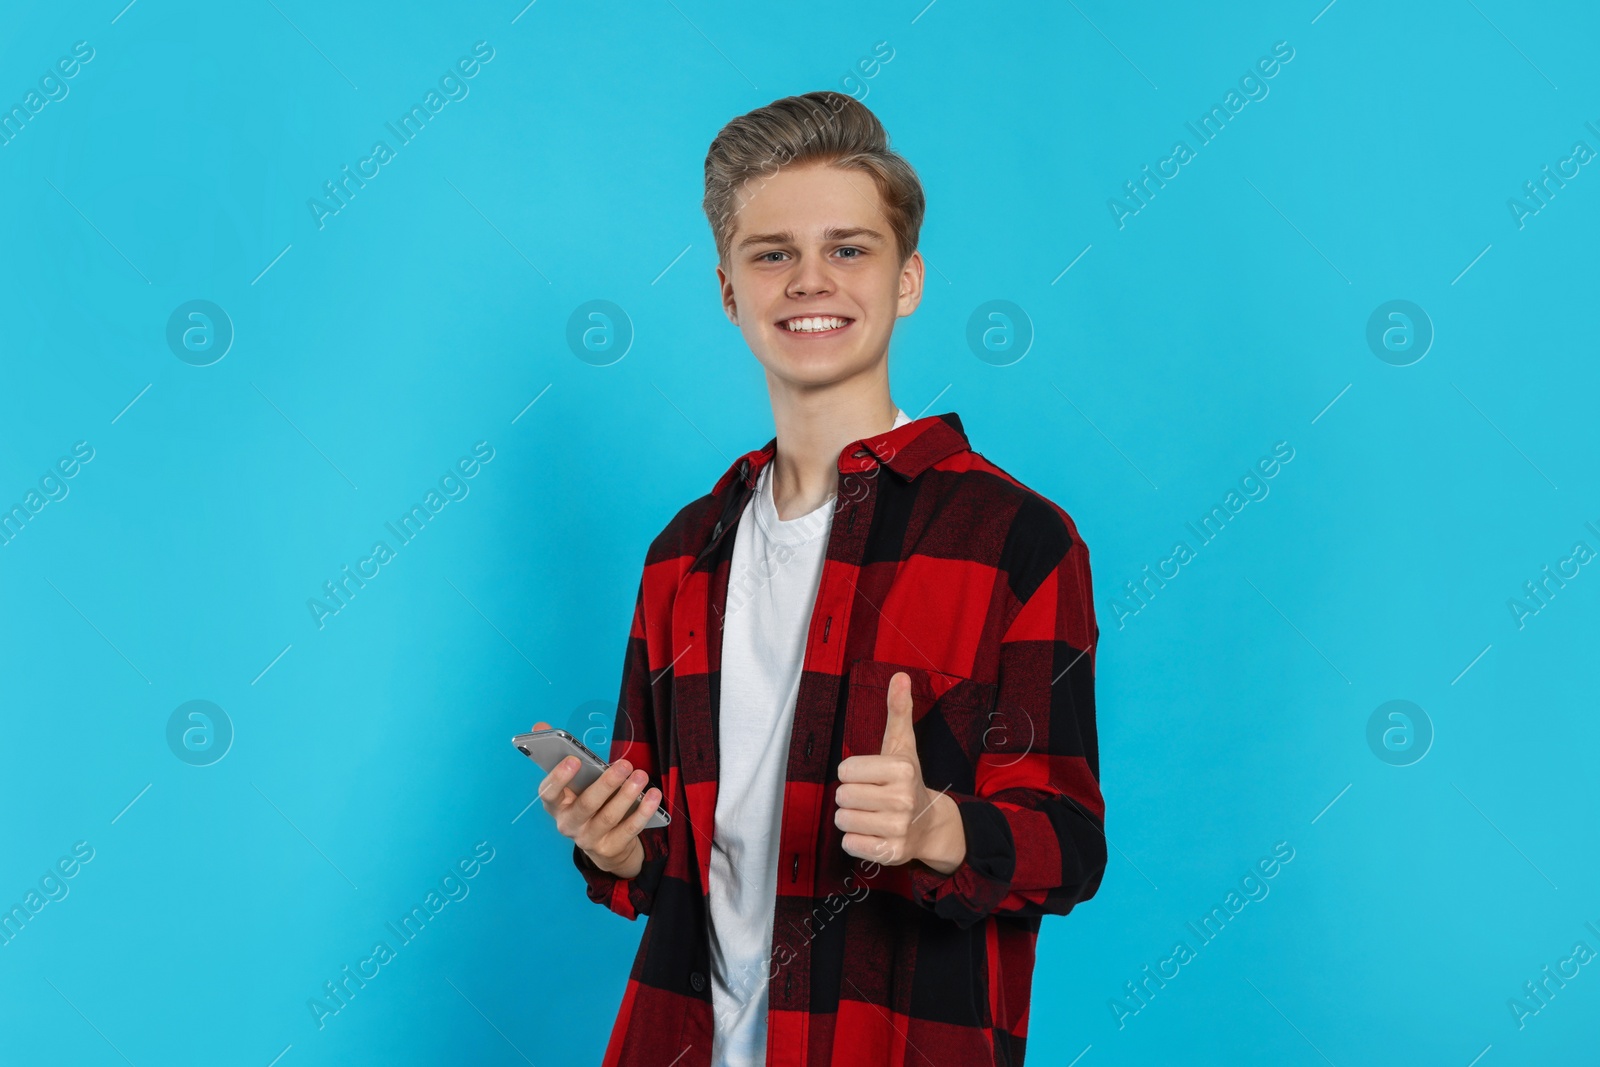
[[870, 823], [600, 790], [551, 785], [881, 770], [614, 810], [868, 796], [572, 819], [601, 833], [868, 847], [553, 791], [633, 825], [555, 797], [898, 733]]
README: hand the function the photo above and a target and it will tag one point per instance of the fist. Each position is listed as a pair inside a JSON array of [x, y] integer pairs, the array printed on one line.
[[881, 799]]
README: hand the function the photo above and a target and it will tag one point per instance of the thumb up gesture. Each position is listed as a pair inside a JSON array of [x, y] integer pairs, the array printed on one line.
[[882, 800]]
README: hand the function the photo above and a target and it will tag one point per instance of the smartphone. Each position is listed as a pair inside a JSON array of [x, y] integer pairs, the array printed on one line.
[[549, 746]]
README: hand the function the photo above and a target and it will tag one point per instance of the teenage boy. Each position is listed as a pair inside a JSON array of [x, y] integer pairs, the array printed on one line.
[[860, 672]]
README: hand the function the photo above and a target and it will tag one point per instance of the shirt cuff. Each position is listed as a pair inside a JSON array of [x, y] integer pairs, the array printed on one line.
[[628, 897], [981, 881]]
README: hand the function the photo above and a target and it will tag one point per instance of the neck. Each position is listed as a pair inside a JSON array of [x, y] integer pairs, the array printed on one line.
[[812, 428]]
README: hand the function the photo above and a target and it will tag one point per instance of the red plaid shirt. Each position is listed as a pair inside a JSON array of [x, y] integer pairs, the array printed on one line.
[[941, 565]]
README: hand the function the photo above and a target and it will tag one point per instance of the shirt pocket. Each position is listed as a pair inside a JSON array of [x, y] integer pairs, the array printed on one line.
[[950, 714]]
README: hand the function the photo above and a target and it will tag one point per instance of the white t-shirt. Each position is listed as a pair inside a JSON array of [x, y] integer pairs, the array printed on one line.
[[772, 586]]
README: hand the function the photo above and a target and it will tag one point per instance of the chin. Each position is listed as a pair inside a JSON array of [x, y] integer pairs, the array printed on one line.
[[820, 372]]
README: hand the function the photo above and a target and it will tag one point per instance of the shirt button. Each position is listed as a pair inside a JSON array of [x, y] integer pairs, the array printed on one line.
[[697, 980], [858, 453]]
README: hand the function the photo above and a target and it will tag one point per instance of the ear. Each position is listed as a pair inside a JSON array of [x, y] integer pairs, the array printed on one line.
[[911, 279], [725, 290]]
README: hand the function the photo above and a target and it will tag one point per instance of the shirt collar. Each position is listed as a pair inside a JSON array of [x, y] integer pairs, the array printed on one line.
[[907, 450]]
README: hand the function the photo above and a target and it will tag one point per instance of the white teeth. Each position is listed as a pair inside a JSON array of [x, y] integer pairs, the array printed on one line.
[[814, 324]]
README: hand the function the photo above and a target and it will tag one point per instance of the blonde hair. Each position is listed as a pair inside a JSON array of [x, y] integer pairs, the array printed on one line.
[[818, 127]]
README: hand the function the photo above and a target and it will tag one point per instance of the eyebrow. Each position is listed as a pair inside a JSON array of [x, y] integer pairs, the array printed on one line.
[[832, 233]]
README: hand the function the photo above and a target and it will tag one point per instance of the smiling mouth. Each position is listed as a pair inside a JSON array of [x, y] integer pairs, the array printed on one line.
[[814, 325]]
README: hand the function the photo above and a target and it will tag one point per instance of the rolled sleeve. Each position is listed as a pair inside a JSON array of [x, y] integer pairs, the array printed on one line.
[[628, 897], [980, 882]]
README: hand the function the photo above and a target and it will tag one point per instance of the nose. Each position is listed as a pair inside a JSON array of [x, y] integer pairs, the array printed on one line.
[[811, 277]]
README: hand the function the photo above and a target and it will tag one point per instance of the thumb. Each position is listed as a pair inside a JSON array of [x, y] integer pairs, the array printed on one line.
[[898, 735]]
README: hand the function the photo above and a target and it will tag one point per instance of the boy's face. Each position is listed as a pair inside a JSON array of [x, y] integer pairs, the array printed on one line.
[[814, 241]]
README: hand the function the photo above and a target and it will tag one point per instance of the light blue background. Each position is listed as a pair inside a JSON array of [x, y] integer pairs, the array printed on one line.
[[432, 310]]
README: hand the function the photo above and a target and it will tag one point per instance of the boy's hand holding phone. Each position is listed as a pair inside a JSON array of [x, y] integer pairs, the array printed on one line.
[[594, 820]]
